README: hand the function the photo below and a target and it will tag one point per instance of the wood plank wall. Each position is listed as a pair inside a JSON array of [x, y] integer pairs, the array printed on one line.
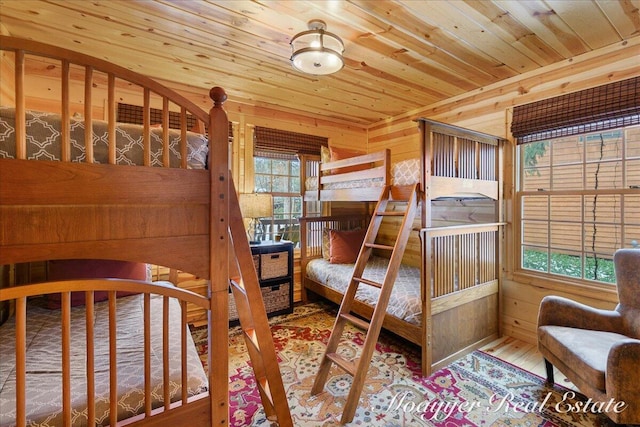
[[489, 110], [7, 94]]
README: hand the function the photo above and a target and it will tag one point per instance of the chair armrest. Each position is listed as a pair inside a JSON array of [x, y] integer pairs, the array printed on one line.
[[622, 375], [560, 311]]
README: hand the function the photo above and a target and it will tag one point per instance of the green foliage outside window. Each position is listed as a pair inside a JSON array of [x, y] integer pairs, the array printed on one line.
[[569, 265], [531, 153]]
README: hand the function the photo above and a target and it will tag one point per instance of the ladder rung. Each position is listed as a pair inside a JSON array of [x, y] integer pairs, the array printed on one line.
[[348, 366], [360, 323], [390, 213], [263, 384], [250, 333], [237, 283], [378, 246], [368, 282]]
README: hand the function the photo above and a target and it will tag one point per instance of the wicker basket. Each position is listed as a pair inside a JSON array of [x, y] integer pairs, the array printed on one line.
[[276, 298], [275, 264]]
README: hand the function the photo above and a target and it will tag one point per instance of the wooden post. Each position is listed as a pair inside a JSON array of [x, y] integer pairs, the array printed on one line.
[[219, 265]]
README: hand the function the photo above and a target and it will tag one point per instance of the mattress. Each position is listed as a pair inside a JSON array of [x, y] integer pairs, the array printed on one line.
[[44, 389], [404, 303], [44, 141], [405, 172]]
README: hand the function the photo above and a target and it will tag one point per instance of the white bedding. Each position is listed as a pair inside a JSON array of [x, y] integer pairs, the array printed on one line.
[[44, 357], [404, 303]]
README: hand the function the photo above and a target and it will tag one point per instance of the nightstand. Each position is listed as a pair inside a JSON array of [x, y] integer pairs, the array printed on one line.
[[274, 264]]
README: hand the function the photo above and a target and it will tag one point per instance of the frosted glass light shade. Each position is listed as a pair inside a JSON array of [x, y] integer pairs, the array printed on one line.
[[316, 51]]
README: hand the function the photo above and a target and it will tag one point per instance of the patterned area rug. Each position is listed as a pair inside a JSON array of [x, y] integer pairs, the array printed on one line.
[[477, 390]]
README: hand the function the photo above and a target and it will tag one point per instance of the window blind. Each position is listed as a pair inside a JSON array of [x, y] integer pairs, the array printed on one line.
[[600, 108], [276, 143]]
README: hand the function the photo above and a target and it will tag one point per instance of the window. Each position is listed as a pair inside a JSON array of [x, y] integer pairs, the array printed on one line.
[[281, 178], [277, 171], [579, 202], [578, 188]]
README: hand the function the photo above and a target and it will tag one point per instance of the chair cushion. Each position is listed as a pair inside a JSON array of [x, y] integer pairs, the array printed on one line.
[[585, 351]]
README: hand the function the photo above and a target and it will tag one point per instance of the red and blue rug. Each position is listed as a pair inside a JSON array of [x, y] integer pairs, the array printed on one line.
[[478, 390]]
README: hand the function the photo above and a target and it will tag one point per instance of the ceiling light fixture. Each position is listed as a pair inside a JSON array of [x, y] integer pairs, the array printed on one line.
[[316, 51]]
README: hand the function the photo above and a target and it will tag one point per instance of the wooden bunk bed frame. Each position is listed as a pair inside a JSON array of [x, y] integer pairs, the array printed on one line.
[[376, 166], [460, 263], [172, 217]]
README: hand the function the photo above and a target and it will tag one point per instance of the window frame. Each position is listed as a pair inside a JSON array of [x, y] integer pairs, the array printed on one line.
[[292, 218], [547, 278]]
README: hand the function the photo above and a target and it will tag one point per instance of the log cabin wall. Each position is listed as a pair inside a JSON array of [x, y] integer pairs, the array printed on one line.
[[7, 95], [489, 110]]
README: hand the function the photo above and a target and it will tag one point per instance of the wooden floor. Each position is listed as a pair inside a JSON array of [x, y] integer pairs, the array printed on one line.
[[525, 356]]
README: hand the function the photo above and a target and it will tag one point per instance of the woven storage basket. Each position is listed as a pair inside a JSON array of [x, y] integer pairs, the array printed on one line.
[[275, 297], [274, 265]]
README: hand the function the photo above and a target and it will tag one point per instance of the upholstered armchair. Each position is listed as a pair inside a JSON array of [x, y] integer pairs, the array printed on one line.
[[598, 350]]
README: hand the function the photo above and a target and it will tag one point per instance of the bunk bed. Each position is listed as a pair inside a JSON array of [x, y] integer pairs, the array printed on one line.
[[357, 178], [94, 189], [446, 296]]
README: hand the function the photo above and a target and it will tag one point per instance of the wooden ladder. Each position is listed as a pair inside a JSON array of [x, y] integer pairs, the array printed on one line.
[[253, 320], [358, 368]]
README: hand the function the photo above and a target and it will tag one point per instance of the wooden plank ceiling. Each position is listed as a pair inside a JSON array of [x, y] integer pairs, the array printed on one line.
[[400, 55]]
